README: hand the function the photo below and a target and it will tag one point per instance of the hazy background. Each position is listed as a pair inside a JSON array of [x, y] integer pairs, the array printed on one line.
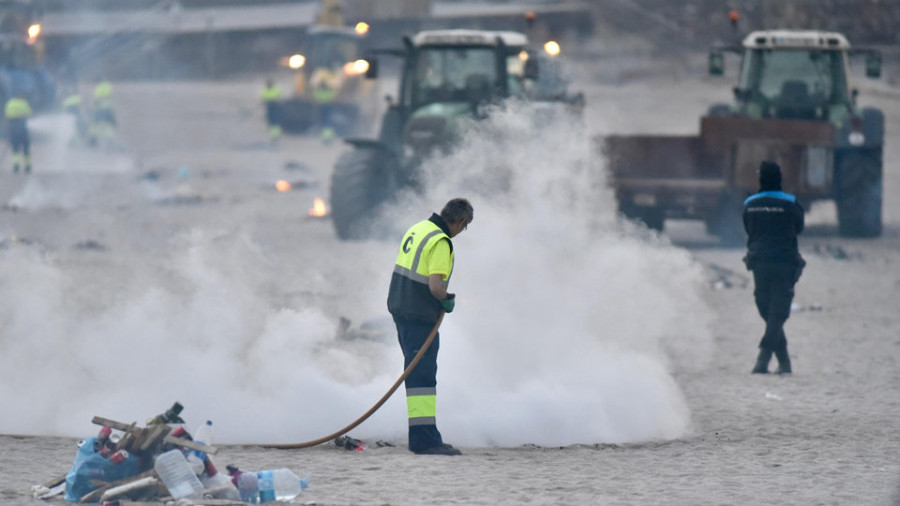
[[170, 270]]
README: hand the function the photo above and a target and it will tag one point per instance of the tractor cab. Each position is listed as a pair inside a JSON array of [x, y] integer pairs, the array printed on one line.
[[794, 75], [448, 76]]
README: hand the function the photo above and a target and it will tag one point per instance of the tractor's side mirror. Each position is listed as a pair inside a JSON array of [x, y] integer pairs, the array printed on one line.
[[372, 69], [873, 64], [716, 63], [532, 69]]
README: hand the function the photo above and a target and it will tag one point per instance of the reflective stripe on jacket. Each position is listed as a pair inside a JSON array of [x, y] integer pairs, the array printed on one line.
[[772, 220], [409, 297]]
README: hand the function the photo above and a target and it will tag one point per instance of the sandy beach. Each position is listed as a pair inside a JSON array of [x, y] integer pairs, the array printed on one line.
[[589, 361]]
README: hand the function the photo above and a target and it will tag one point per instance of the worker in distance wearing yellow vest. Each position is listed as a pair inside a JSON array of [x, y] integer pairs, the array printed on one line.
[[417, 295], [17, 112], [270, 95]]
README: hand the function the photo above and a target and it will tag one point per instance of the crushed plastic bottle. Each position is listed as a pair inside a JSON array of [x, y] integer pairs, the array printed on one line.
[[248, 487], [217, 485], [350, 443], [176, 474]]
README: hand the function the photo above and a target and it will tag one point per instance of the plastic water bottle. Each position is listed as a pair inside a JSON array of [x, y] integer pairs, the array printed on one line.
[[204, 436], [266, 481], [248, 487], [176, 474], [280, 485]]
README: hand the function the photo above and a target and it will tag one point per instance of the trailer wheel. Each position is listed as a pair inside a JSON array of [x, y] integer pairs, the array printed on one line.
[[653, 217], [859, 194], [360, 183]]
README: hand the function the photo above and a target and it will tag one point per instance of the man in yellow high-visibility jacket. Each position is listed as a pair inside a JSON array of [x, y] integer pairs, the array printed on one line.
[[271, 94], [102, 130], [417, 296], [17, 112]]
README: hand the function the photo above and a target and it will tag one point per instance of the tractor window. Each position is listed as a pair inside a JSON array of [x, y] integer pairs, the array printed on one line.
[[453, 75], [795, 75], [332, 51]]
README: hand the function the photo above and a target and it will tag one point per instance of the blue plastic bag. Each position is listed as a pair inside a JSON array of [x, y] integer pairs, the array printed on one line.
[[90, 465]]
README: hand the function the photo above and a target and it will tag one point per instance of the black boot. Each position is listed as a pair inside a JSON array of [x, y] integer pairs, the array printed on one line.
[[784, 362], [762, 362]]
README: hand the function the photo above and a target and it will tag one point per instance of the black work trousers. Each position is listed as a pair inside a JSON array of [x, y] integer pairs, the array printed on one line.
[[773, 293], [421, 382], [19, 139]]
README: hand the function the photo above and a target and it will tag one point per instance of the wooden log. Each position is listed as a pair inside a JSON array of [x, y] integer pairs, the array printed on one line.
[[129, 488], [195, 502], [94, 496], [186, 443], [55, 481]]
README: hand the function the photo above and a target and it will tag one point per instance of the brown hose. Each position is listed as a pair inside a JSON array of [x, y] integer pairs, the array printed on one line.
[[373, 409]]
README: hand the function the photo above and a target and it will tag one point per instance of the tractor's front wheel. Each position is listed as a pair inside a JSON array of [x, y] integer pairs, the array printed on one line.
[[858, 184], [362, 180]]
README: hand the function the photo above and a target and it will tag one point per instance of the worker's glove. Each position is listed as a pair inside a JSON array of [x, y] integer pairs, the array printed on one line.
[[449, 302]]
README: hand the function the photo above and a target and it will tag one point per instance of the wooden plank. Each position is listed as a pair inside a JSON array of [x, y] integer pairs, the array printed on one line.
[[185, 443], [137, 437], [112, 424], [155, 435]]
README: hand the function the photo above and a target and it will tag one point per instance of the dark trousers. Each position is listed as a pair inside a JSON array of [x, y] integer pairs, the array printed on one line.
[[19, 139], [273, 113], [20, 142], [412, 336], [773, 293]]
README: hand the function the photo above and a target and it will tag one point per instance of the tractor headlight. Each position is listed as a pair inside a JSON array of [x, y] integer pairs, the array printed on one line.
[[356, 68], [33, 32], [551, 47], [296, 61]]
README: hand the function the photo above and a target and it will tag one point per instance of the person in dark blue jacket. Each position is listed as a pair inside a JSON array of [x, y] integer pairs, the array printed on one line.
[[773, 219]]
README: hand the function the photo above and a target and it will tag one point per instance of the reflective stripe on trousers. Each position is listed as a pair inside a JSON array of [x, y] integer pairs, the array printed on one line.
[[421, 406]]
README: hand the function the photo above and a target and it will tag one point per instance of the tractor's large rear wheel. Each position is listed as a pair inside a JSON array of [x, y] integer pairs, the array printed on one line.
[[653, 217], [363, 179], [727, 222], [858, 183]]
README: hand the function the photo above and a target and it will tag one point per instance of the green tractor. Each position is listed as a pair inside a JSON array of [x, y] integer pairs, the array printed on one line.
[[798, 80], [794, 106], [447, 77]]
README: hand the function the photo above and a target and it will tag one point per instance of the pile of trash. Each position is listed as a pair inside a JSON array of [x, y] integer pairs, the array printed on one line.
[[163, 462]]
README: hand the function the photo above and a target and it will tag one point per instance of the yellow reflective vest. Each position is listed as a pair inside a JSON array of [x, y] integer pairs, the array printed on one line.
[[271, 94], [103, 95], [422, 253], [17, 108]]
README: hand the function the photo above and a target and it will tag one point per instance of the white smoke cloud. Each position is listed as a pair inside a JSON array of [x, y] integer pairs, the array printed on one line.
[[568, 327]]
